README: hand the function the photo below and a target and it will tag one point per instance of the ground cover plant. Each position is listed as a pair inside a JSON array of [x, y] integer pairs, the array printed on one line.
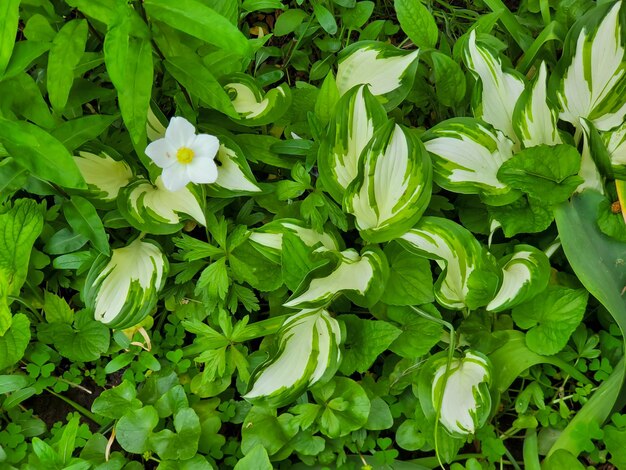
[[312, 234]]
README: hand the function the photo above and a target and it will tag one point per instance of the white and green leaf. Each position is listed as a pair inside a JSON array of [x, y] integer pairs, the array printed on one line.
[[467, 155], [534, 117], [156, 123], [234, 177], [393, 186], [307, 352], [615, 143], [153, 209], [499, 90], [361, 278], [254, 106], [358, 114], [525, 274], [105, 176], [592, 70], [469, 277], [388, 71], [121, 290]]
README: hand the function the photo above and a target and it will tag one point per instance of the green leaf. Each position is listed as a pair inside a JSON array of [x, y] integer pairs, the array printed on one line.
[[346, 407], [39, 152], [417, 22], [449, 79], [191, 73], [12, 383], [197, 19], [526, 215], [262, 427], [115, 402], [410, 278], [288, 21], [14, 341], [366, 340], [86, 341], [419, 334], [614, 439], [67, 49], [297, 260], [134, 429], [72, 134], [183, 444], [67, 443], [9, 16], [101, 10], [325, 18], [547, 173], [84, 219], [255, 459], [327, 97], [56, 309], [551, 317]]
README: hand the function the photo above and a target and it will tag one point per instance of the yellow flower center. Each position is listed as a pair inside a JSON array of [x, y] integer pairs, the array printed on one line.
[[185, 155]]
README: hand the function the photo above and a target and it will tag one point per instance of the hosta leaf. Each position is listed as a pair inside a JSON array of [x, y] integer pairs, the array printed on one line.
[[462, 259], [534, 117], [362, 278], [351, 128], [615, 142], [467, 155], [592, 68], [122, 290], [549, 174], [254, 106], [104, 175], [234, 177], [393, 186], [499, 91], [308, 350], [525, 274], [154, 209], [389, 71], [551, 317]]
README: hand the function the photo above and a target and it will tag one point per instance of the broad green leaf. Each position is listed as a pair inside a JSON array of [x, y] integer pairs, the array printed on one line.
[[14, 341], [358, 114], [183, 444], [24, 98], [191, 73], [40, 153], [255, 459], [410, 279], [393, 185], [469, 277], [9, 16], [591, 70], [122, 290], [525, 215], [308, 351], [326, 18], [56, 309], [534, 117], [117, 401], [499, 90], [549, 174], [365, 341], [419, 334], [84, 219], [525, 274], [389, 71], [24, 53], [262, 427], [101, 10], [197, 19], [72, 134], [361, 277], [551, 317], [467, 155], [154, 209], [327, 98], [288, 21], [450, 83], [253, 106], [128, 59], [346, 407], [105, 176], [12, 383], [134, 429], [297, 260], [417, 23], [67, 48]]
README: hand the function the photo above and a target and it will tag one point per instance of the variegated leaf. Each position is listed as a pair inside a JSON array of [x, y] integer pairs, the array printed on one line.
[[255, 107], [393, 186], [122, 289], [469, 277], [588, 168], [104, 175], [525, 274], [156, 123], [154, 209], [361, 278], [461, 392], [358, 115], [467, 155], [389, 71], [308, 351], [615, 143], [592, 70], [534, 118], [500, 89], [234, 177]]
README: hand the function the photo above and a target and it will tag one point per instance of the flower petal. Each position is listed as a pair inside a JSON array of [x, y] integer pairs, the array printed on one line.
[[161, 153], [180, 132], [202, 170], [175, 177], [205, 145]]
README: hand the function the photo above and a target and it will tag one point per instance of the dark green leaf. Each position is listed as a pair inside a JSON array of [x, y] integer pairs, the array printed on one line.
[[72, 134], [117, 401], [84, 219], [134, 429], [410, 279], [417, 22]]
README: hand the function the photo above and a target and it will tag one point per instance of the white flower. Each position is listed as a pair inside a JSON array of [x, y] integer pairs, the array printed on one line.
[[184, 156]]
